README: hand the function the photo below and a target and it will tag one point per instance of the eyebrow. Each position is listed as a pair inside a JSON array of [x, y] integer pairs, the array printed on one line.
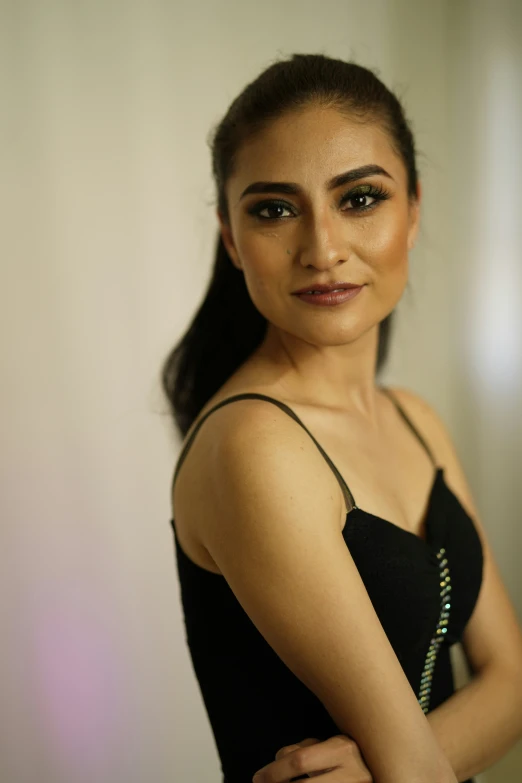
[[335, 182]]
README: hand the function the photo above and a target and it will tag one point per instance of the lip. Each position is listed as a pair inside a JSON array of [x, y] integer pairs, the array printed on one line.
[[325, 288], [331, 298]]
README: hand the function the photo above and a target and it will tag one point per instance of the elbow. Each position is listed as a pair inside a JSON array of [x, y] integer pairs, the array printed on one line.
[[449, 777], [442, 773]]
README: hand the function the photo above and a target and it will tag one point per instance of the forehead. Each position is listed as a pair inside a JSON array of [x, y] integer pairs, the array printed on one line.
[[310, 147]]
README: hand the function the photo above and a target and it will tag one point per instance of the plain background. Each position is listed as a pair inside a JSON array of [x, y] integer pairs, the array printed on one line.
[[108, 230]]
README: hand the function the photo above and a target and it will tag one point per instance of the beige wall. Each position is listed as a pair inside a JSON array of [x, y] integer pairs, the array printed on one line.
[[108, 233]]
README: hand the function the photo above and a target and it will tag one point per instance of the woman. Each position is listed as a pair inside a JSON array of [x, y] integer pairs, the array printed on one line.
[[328, 549]]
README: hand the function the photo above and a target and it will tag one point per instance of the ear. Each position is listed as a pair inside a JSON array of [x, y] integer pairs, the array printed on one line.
[[228, 241], [414, 217]]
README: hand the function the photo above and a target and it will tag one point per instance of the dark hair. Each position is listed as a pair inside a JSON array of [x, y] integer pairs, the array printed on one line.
[[227, 327]]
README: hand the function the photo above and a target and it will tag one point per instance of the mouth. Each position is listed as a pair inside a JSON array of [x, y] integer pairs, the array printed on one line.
[[331, 297], [327, 288]]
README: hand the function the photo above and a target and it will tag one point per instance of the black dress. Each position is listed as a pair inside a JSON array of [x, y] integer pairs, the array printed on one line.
[[423, 591]]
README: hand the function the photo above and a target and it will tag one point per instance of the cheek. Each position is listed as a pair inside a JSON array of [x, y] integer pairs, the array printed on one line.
[[264, 261], [263, 272], [388, 247]]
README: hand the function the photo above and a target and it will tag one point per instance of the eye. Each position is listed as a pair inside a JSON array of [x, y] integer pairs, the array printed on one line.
[[271, 205], [365, 192], [364, 197]]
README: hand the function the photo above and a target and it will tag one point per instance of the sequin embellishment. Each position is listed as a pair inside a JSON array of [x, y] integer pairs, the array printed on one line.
[[438, 638]]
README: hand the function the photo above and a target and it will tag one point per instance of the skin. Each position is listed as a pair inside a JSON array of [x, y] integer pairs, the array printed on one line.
[[326, 354], [325, 358]]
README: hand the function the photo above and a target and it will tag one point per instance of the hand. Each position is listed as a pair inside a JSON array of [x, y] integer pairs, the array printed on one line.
[[336, 760]]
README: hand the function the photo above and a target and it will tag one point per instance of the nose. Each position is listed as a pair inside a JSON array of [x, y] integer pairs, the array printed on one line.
[[324, 242]]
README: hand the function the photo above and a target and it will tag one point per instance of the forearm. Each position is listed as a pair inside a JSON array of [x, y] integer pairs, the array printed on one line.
[[480, 722]]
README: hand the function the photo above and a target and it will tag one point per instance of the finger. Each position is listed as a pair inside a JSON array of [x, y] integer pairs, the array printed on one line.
[[282, 752], [290, 748], [312, 757]]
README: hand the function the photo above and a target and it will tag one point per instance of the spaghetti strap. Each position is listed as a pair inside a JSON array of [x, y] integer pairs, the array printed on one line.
[[409, 422], [350, 502]]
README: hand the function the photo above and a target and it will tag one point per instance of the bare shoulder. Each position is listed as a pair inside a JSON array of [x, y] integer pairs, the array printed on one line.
[[436, 432], [244, 445], [271, 507], [426, 417], [256, 437], [493, 636]]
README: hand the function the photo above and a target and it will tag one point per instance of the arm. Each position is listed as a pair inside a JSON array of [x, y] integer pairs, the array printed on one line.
[[478, 724], [481, 721], [271, 524]]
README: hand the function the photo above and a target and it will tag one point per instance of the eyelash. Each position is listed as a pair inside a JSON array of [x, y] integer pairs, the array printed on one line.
[[373, 191]]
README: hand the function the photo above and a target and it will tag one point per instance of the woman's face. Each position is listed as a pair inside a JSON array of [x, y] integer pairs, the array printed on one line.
[[319, 232]]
